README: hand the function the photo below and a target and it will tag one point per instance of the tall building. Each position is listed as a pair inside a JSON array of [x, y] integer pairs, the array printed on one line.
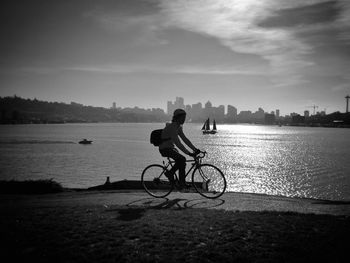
[[347, 103], [179, 103], [277, 114], [219, 113], [208, 110], [188, 110], [270, 118], [197, 112], [170, 108], [114, 105], [306, 114], [231, 114], [259, 115], [245, 116], [208, 105]]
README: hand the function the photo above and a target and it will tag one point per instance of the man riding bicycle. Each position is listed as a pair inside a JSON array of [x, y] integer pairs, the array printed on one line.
[[170, 139]]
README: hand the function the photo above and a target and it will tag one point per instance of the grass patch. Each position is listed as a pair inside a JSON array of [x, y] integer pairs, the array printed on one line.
[[91, 233], [30, 187]]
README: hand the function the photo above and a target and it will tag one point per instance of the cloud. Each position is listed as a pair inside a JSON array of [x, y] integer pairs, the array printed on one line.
[[125, 69], [323, 12], [239, 25], [279, 31], [143, 26], [340, 87]]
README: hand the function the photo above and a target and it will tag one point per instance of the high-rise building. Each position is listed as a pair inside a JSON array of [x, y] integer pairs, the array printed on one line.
[[270, 118], [179, 103], [219, 113], [245, 116], [306, 114], [208, 105], [208, 110], [188, 110], [231, 114], [114, 105], [347, 103], [277, 114], [259, 115], [170, 108], [197, 112]]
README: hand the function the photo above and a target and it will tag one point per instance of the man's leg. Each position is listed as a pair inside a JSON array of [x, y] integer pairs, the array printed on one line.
[[180, 163]]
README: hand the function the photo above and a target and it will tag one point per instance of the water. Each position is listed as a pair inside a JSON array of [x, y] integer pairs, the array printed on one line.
[[288, 161]]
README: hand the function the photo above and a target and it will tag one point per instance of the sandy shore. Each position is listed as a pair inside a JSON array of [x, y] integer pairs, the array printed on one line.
[[129, 226]]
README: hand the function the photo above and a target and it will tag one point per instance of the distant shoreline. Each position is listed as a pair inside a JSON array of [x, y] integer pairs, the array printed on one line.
[[241, 123]]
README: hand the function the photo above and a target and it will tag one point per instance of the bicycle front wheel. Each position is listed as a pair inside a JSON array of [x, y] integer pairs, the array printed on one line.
[[155, 182], [209, 181]]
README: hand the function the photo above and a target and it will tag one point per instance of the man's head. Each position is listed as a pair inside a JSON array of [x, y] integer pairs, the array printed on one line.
[[179, 116]]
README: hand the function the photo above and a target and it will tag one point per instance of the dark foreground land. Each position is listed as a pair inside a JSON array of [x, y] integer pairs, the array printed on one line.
[[83, 227]]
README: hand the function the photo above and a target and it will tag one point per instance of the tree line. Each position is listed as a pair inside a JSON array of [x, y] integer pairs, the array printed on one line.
[[17, 110]]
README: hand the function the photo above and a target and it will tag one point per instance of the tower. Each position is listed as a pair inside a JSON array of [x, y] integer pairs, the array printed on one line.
[[179, 103], [347, 103]]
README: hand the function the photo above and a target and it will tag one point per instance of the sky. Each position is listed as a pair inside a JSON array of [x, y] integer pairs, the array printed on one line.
[[273, 54]]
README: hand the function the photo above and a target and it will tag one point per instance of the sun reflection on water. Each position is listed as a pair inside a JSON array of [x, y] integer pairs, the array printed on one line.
[[269, 160]]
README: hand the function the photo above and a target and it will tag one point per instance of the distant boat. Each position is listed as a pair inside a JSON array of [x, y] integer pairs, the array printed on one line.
[[85, 141], [206, 127]]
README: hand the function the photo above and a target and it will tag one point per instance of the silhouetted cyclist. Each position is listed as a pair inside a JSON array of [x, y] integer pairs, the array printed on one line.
[[170, 137]]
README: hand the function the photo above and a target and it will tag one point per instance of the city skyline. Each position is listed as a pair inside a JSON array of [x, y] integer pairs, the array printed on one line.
[[220, 112], [289, 55], [180, 103], [224, 108]]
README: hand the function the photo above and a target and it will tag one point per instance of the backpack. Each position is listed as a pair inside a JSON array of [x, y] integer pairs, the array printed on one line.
[[156, 137]]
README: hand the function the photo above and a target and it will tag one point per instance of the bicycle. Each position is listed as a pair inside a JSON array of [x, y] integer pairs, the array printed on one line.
[[208, 180]]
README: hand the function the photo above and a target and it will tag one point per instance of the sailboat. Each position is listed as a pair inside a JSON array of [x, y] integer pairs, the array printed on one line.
[[206, 127]]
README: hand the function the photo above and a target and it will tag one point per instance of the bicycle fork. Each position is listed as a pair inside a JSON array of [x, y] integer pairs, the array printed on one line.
[[206, 180]]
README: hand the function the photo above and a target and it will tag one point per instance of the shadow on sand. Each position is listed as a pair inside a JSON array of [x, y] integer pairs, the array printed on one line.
[[330, 202], [136, 209], [177, 203]]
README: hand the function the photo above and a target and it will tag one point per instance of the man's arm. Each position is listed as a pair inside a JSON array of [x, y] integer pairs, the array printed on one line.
[[179, 145], [186, 140]]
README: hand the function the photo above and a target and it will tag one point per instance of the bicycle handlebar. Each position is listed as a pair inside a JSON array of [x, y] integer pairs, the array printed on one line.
[[200, 155]]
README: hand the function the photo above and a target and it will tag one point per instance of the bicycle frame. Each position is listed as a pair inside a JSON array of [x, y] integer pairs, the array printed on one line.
[[195, 163]]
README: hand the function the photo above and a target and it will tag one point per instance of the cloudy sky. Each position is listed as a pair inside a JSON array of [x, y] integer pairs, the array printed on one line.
[[274, 54]]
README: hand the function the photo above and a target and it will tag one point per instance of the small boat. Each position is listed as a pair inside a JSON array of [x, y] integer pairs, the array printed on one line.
[[206, 127], [85, 141]]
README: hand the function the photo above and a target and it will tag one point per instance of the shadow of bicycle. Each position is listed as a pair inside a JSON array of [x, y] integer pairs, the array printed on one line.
[[176, 203], [136, 209]]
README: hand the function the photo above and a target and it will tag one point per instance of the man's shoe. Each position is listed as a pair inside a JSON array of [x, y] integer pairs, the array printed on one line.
[[186, 188], [170, 176], [184, 185]]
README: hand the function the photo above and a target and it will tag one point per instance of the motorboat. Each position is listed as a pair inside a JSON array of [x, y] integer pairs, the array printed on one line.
[[85, 141]]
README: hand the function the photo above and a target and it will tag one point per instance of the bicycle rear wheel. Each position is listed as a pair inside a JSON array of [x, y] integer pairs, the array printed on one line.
[[155, 182], [209, 181]]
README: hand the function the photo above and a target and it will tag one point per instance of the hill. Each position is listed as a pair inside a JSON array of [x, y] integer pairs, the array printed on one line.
[[17, 110]]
